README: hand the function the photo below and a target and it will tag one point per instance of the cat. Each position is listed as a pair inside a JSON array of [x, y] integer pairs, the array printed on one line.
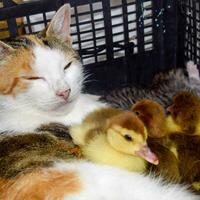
[[41, 78], [40, 82], [163, 88], [43, 166]]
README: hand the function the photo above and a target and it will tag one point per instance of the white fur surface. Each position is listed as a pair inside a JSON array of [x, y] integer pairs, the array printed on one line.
[[39, 104], [21, 118], [108, 183]]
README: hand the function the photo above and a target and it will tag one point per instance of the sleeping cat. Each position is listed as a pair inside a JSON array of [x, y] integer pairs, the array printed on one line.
[[41, 78]]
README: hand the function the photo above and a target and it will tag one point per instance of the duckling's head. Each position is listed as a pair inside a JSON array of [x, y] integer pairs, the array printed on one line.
[[127, 134], [185, 110], [153, 116]]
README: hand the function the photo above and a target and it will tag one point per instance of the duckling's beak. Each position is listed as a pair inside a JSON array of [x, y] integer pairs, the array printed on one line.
[[146, 153], [170, 109]]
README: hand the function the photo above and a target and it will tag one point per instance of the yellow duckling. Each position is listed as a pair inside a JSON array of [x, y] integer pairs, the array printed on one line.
[[114, 137]]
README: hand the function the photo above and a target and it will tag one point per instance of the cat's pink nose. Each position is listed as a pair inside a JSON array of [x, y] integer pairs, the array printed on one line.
[[64, 93]]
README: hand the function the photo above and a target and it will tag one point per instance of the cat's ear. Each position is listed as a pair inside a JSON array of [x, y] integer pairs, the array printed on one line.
[[60, 24], [5, 50]]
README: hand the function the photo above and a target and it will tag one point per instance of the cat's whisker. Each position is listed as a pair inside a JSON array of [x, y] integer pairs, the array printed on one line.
[[86, 77], [89, 81], [87, 73]]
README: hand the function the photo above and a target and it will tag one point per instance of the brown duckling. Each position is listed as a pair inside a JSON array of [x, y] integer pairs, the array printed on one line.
[[185, 112], [155, 119], [185, 147]]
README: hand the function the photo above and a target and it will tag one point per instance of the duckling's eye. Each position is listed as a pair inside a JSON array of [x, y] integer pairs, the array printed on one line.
[[68, 65], [128, 137], [137, 113]]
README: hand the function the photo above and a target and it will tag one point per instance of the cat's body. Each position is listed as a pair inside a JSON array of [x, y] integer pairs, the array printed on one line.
[[87, 181], [162, 89], [42, 166], [23, 153], [114, 184]]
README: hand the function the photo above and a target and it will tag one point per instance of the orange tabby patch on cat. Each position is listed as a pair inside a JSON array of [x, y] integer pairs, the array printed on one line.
[[40, 185], [16, 67]]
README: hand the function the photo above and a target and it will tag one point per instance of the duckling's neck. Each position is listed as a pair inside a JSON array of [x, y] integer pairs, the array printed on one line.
[[100, 151], [197, 132], [171, 126]]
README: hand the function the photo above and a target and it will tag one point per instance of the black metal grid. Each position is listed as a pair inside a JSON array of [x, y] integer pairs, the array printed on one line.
[[192, 40], [130, 24], [120, 41]]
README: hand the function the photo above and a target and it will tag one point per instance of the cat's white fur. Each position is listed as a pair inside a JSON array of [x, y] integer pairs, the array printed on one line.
[[108, 183], [39, 104]]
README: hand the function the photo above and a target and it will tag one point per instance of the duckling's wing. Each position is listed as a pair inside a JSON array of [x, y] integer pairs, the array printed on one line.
[[79, 133]]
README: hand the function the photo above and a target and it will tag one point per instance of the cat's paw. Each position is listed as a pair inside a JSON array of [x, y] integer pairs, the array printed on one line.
[[192, 70]]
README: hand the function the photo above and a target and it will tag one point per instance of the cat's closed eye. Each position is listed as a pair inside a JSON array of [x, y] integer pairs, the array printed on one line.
[[68, 65], [32, 78]]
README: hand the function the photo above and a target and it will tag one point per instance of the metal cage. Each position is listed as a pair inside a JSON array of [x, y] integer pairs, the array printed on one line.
[[121, 42]]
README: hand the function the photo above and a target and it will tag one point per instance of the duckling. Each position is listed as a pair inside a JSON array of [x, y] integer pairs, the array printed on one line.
[[114, 137], [185, 112], [185, 147], [188, 148], [93, 120], [159, 126], [155, 119]]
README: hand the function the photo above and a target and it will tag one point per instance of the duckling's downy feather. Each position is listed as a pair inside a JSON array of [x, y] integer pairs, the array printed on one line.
[[100, 151]]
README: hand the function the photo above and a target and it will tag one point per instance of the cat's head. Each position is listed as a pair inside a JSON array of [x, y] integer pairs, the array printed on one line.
[[44, 72]]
